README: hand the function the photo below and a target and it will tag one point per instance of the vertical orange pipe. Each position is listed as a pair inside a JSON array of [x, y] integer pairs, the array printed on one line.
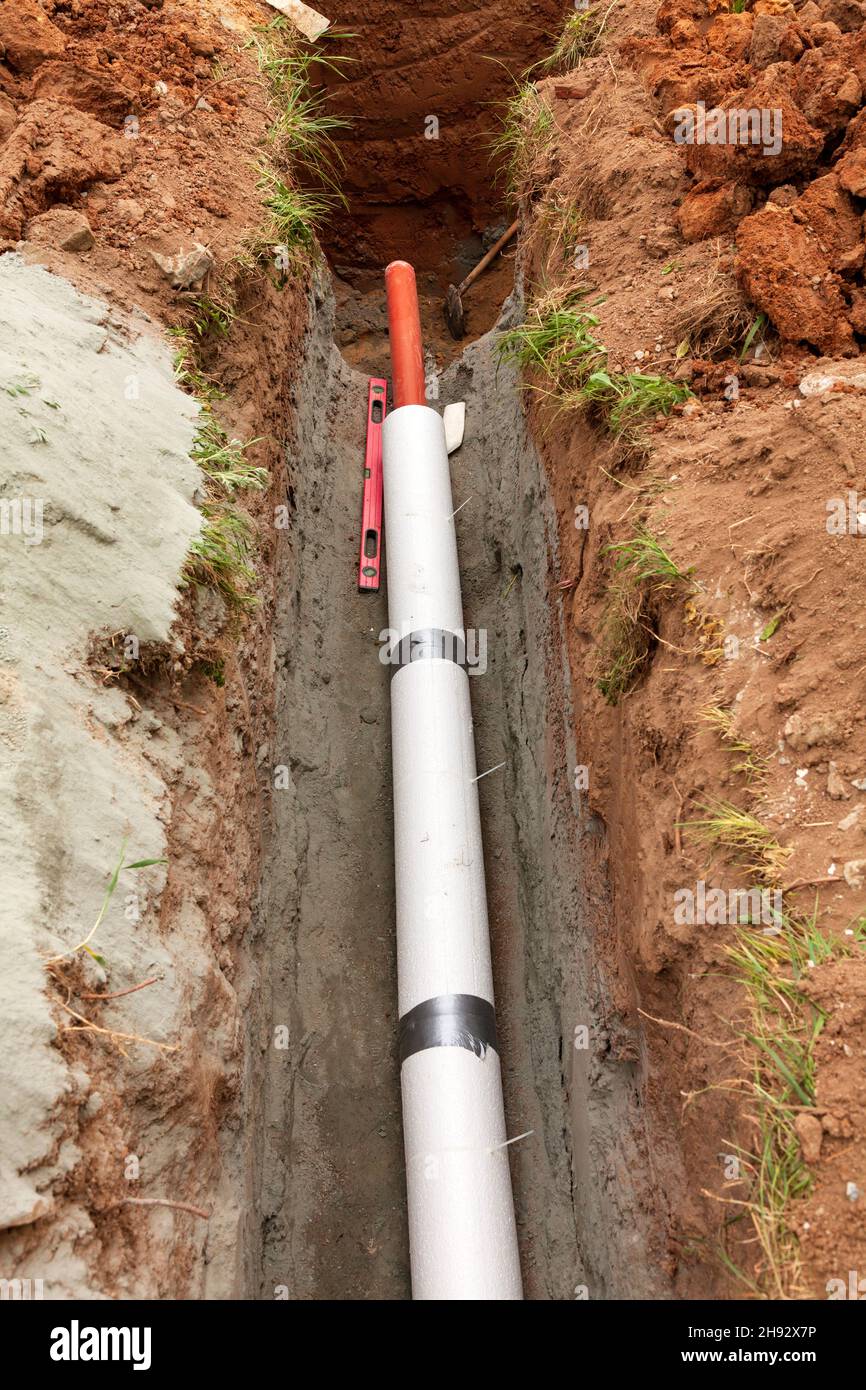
[[404, 325]]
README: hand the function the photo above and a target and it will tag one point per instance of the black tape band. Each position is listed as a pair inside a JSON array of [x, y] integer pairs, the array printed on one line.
[[427, 643], [449, 1020]]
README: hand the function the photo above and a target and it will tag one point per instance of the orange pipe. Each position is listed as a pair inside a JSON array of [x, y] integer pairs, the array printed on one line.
[[404, 325]]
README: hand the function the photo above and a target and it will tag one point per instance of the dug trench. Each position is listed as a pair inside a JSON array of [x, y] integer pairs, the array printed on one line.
[[332, 1196], [620, 1178], [330, 1167]]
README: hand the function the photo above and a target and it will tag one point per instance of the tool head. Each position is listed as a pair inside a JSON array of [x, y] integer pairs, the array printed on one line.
[[454, 315]]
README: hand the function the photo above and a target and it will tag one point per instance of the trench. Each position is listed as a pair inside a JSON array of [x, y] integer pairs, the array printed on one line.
[[422, 100], [326, 1190]]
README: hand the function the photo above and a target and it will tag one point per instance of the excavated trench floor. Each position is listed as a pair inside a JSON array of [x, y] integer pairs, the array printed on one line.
[[422, 99], [332, 1195], [330, 1190]]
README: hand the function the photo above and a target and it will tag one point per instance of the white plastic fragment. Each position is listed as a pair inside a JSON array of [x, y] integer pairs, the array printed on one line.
[[454, 417]]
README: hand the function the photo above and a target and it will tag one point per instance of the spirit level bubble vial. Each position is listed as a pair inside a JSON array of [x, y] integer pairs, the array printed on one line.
[[371, 518]]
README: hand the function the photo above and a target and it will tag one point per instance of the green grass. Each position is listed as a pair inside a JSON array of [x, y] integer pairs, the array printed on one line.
[[211, 318], [220, 556], [222, 459], [627, 399], [214, 671], [293, 215], [113, 879], [20, 388], [758, 324], [526, 136], [301, 139], [646, 559], [301, 136], [302, 131], [771, 628], [741, 836], [188, 373], [779, 1038], [558, 343], [642, 569], [579, 39]]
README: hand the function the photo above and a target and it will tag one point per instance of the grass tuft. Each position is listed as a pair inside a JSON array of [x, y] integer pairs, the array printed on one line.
[[627, 399], [557, 228], [525, 139], [302, 131], [647, 560], [211, 318], [222, 459], [713, 319], [293, 215], [743, 837], [302, 139], [558, 343], [780, 1035], [643, 568], [220, 555], [579, 39], [626, 641], [188, 373], [751, 764]]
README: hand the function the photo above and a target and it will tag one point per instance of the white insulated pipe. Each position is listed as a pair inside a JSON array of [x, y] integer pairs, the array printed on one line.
[[462, 1231]]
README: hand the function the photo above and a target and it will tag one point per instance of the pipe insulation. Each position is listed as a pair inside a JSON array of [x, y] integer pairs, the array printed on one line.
[[462, 1231]]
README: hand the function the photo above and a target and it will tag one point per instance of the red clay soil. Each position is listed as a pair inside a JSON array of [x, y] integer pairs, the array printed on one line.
[[430, 200], [436, 58], [687, 244]]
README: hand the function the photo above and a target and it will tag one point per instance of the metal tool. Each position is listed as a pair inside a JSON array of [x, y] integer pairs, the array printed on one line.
[[454, 313]]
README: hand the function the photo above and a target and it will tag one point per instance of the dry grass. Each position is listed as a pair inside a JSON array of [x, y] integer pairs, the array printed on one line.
[[714, 319], [524, 143], [778, 1039], [643, 570], [750, 764], [740, 836], [556, 231], [580, 38], [626, 640]]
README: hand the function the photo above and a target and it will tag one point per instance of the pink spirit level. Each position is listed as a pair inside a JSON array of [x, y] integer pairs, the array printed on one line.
[[371, 520]]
